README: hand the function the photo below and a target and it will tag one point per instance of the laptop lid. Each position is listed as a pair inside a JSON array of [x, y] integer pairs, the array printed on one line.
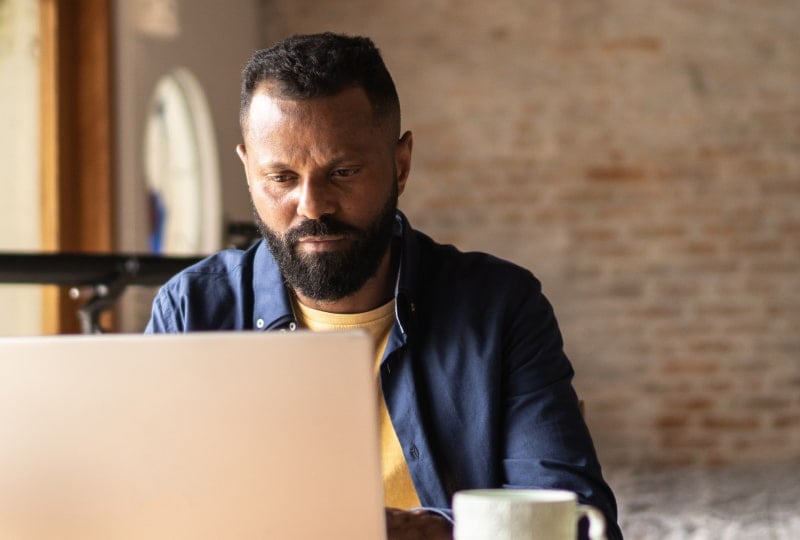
[[204, 435]]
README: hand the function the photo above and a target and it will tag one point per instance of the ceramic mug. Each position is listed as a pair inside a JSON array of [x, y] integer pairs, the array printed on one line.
[[522, 514]]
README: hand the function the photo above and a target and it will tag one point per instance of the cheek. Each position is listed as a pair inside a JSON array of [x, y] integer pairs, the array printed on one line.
[[275, 209]]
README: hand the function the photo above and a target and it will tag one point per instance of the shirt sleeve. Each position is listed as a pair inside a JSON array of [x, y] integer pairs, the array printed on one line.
[[547, 443], [163, 317]]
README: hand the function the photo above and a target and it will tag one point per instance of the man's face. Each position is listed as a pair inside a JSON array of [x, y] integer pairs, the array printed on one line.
[[324, 179]]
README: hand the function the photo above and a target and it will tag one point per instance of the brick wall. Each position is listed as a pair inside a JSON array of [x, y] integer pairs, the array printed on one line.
[[643, 159]]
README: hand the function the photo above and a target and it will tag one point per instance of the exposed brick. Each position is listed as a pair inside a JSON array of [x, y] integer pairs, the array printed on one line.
[[791, 227], [649, 44], [660, 231], [761, 444], [768, 403], [672, 421], [673, 458], [699, 248], [681, 329], [665, 386], [730, 423], [624, 213], [690, 366], [677, 288], [709, 346], [702, 265], [613, 250], [723, 308], [758, 246], [786, 421], [722, 387], [734, 225], [745, 327], [775, 267], [616, 173], [625, 289], [586, 196], [658, 312], [556, 214], [693, 441], [650, 179], [715, 459], [690, 403], [594, 234], [781, 187]]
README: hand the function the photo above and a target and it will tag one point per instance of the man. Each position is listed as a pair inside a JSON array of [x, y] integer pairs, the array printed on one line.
[[476, 389]]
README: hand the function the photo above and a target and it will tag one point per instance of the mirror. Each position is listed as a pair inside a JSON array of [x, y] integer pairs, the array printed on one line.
[[181, 169]]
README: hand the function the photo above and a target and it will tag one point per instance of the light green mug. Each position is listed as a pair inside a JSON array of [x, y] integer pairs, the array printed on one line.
[[522, 514]]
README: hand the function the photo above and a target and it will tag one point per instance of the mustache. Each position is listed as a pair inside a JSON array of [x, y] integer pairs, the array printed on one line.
[[324, 226]]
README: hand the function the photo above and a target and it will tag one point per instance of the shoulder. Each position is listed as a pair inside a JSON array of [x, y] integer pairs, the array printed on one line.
[[225, 266], [209, 295], [219, 292], [450, 267]]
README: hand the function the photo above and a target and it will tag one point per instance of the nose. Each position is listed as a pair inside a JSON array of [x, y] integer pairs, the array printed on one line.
[[316, 198]]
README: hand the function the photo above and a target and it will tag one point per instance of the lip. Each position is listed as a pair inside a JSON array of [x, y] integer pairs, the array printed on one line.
[[320, 243]]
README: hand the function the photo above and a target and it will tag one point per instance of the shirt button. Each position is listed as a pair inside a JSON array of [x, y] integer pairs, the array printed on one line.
[[414, 452], [292, 326], [260, 323]]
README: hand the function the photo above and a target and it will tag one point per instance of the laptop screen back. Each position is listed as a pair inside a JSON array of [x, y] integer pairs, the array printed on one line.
[[208, 435]]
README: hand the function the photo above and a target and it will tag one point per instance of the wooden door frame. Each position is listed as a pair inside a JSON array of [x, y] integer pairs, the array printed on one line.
[[76, 139]]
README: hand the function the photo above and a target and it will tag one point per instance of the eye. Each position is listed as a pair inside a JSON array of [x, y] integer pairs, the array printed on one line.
[[279, 178], [345, 173]]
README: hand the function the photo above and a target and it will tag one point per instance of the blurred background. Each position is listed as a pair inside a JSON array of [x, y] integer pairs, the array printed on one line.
[[641, 158]]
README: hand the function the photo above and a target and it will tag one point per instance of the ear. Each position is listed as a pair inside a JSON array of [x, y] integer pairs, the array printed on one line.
[[242, 152], [402, 159]]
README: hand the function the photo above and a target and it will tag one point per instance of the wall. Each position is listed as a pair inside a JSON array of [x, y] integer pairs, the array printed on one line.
[[153, 37], [643, 159], [21, 311]]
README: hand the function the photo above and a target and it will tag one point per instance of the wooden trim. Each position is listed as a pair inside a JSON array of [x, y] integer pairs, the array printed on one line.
[[48, 148], [48, 124], [76, 144]]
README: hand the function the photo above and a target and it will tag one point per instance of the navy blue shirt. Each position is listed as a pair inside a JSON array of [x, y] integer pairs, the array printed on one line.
[[474, 375]]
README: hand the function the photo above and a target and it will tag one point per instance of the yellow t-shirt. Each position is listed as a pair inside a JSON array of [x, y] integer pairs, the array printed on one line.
[[398, 487]]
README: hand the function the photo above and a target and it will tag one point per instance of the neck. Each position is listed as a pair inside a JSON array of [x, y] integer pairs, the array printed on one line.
[[377, 290]]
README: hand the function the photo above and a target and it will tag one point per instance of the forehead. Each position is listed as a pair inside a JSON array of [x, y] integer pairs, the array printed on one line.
[[346, 116]]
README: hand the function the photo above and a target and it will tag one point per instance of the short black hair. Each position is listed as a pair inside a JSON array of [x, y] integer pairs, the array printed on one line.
[[322, 65]]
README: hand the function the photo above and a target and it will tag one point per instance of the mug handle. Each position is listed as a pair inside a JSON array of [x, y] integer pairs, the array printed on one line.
[[597, 522]]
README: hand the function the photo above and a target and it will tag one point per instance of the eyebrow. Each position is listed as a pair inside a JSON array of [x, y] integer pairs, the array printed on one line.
[[273, 165], [280, 165]]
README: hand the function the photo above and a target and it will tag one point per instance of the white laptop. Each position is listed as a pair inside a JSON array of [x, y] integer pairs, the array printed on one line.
[[207, 435]]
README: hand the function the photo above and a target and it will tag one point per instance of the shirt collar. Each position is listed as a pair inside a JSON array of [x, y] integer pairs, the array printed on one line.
[[272, 307], [406, 289]]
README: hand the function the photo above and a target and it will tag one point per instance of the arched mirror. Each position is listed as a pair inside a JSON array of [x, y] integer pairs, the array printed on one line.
[[181, 168]]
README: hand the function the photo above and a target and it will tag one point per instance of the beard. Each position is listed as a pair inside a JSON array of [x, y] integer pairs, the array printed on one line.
[[331, 276]]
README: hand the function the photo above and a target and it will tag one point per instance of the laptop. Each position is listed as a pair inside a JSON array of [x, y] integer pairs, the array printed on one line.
[[208, 435]]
